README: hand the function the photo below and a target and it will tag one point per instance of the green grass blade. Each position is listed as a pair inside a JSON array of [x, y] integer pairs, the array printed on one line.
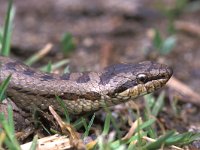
[[107, 124], [89, 126], [55, 65], [10, 145], [67, 43], [183, 139], [150, 129], [34, 143], [10, 119], [78, 124], [158, 104], [157, 40], [62, 104], [149, 102], [133, 139], [168, 45], [84, 123], [8, 29], [49, 67], [1, 38], [3, 87], [33, 59], [8, 126], [159, 142], [113, 121], [145, 125]]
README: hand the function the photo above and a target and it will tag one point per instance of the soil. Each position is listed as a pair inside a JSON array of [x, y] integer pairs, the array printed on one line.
[[108, 32]]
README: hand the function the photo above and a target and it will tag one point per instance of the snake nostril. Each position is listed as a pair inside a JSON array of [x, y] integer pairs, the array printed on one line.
[[164, 76], [166, 71]]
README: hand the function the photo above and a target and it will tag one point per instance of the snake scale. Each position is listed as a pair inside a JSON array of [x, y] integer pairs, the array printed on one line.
[[81, 92]]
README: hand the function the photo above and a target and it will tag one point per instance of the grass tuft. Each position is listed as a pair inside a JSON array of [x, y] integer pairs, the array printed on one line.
[[67, 43], [7, 32], [8, 128]]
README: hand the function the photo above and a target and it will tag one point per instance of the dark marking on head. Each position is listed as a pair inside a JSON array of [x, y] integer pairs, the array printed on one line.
[[105, 77], [28, 72], [47, 77], [114, 70], [84, 78], [11, 66], [65, 76]]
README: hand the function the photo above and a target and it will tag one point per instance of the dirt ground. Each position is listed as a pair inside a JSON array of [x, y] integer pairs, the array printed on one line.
[[113, 31]]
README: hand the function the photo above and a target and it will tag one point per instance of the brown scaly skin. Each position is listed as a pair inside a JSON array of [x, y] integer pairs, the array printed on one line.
[[81, 92]]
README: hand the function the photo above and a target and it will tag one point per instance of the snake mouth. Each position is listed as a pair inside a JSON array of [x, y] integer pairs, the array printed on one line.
[[142, 89]]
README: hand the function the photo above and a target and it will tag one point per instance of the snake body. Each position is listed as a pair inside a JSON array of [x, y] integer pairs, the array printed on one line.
[[81, 92]]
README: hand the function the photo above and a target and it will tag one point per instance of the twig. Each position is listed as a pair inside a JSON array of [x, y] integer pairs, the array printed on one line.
[[40, 54], [188, 27], [188, 95]]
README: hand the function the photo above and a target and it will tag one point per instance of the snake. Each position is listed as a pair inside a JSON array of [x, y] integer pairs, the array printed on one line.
[[81, 92]]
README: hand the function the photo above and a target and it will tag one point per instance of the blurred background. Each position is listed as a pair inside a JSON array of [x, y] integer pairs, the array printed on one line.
[[93, 34], [107, 31]]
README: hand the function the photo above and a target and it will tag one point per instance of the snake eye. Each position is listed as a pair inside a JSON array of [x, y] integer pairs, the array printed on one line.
[[141, 78]]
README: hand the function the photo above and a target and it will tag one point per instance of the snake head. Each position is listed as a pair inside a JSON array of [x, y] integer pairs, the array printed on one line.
[[127, 81]]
